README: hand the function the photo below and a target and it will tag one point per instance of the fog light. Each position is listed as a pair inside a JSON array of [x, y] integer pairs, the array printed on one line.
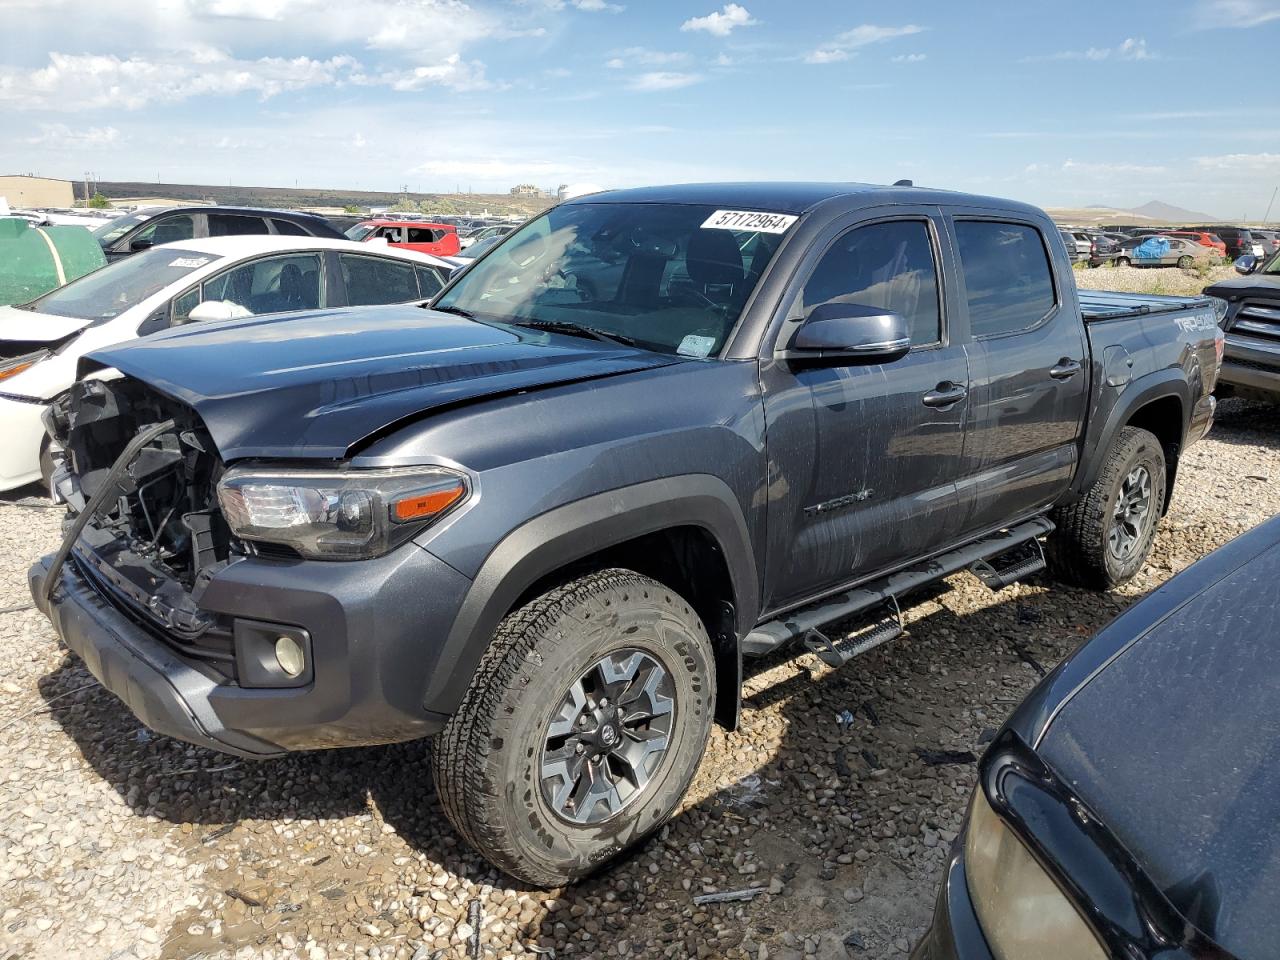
[[290, 657]]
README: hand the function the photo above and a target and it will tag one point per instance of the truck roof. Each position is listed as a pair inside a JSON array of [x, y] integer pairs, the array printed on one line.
[[795, 197]]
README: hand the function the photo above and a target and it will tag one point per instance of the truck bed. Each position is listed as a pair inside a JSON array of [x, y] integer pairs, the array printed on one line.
[[1098, 305]]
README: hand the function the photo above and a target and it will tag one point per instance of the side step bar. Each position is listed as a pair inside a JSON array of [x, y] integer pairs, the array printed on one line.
[[806, 621]]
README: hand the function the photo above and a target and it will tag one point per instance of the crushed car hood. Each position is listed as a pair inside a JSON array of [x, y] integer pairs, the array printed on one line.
[[317, 384], [32, 327]]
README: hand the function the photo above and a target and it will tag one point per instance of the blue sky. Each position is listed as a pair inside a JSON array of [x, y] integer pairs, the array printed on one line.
[[1058, 104]]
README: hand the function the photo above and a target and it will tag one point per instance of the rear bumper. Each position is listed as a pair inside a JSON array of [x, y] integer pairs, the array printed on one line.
[[22, 433], [955, 933], [1201, 419], [375, 629]]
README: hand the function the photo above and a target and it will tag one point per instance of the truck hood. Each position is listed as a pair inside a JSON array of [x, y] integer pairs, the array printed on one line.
[[31, 327], [1254, 285], [317, 384]]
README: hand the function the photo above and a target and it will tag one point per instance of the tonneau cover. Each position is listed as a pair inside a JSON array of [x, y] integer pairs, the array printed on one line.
[[1111, 304]]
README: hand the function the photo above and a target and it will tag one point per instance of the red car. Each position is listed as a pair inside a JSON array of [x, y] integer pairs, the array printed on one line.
[[437, 239], [1204, 239]]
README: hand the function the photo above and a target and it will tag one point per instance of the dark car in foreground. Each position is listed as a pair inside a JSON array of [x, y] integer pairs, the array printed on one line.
[[151, 226], [650, 433], [1128, 809]]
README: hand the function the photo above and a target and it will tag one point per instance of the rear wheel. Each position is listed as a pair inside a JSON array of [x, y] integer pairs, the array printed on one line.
[[1186, 262], [1105, 537], [582, 728]]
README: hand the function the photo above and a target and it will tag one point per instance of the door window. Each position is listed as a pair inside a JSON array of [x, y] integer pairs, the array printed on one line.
[[235, 225], [430, 280], [269, 285], [167, 230], [289, 229], [391, 234], [887, 265], [1007, 276], [422, 235], [373, 280], [183, 305]]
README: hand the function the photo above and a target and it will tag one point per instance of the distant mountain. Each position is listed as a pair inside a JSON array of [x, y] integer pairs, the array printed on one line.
[[1158, 210]]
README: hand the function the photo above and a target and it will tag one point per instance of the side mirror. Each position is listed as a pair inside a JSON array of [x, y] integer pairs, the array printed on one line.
[[1246, 265], [214, 310], [137, 245], [838, 333]]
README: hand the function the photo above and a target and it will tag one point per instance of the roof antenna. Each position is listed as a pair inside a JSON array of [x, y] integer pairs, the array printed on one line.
[[903, 183]]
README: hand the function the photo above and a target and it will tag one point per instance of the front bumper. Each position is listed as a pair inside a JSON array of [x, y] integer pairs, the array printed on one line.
[[23, 432], [955, 933], [376, 627], [1252, 364]]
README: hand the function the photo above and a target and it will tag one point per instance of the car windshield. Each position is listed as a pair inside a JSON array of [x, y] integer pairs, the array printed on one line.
[[359, 231], [109, 233], [668, 277], [105, 294]]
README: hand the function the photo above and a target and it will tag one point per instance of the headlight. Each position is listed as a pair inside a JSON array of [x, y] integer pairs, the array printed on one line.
[[337, 515], [1022, 912], [15, 365], [1219, 309]]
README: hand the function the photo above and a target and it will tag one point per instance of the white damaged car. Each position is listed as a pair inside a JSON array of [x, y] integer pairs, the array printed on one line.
[[219, 278]]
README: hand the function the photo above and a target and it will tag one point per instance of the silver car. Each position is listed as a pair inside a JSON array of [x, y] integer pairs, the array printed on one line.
[[1138, 252]]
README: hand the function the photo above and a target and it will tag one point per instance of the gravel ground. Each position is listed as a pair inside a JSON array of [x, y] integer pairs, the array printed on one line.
[[1164, 280], [837, 799]]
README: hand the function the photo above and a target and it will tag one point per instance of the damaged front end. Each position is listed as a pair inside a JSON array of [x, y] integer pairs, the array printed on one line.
[[139, 474]]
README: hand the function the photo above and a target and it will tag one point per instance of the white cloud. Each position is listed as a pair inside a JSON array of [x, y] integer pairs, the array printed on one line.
[[662, 80], [643, 57], [452, 72], [1235, 162], [844, 45], [62, 136], [73, 82], [910, 57], [1134, 48], [722, 22], [1211, 14], [1105, 170]]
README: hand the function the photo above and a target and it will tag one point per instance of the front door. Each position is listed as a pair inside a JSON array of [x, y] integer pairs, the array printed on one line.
[[864, 457]]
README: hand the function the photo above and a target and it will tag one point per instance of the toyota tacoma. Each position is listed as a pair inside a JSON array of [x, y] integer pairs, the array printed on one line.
[[543, 520]]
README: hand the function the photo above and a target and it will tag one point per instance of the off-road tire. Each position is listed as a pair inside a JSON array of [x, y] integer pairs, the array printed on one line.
[[487, 760], [1078, 551]]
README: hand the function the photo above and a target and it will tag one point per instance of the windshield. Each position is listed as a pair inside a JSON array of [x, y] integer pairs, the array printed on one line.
[[1273, 265], [109, 233], [662, 275], [105, 294], [359, 231]]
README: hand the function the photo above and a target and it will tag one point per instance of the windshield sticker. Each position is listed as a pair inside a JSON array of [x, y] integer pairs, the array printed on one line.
[[749, 221], [695, 346], [190, 263]]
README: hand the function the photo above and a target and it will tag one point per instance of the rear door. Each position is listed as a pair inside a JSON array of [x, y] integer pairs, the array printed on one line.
[[1028, 383], [864, 458]]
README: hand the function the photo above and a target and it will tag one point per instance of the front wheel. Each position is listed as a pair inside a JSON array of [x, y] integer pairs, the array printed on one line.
[[581, 729], [1105, 537]]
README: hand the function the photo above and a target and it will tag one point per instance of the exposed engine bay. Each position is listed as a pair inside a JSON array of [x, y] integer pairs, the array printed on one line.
[[157, 535]]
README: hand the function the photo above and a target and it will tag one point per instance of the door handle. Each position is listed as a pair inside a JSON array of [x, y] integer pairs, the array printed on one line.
[[944, 394], [1065, 370]]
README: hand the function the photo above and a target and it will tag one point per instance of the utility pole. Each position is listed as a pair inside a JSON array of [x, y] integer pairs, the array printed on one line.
[[87, 196], [1267, 218]]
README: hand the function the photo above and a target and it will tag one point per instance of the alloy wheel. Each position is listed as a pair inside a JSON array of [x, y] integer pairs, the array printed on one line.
[[608, 738], [1132, 516]]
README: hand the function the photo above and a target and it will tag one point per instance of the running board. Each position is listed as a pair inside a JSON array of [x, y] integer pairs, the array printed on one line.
[[801, 623], [1012, 565], [887, 626]]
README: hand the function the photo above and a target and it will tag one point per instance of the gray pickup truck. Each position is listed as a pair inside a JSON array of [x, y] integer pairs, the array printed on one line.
[[651, 433]]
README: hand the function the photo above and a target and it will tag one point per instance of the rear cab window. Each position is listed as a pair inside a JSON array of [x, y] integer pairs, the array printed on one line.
[[1007, 275]]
